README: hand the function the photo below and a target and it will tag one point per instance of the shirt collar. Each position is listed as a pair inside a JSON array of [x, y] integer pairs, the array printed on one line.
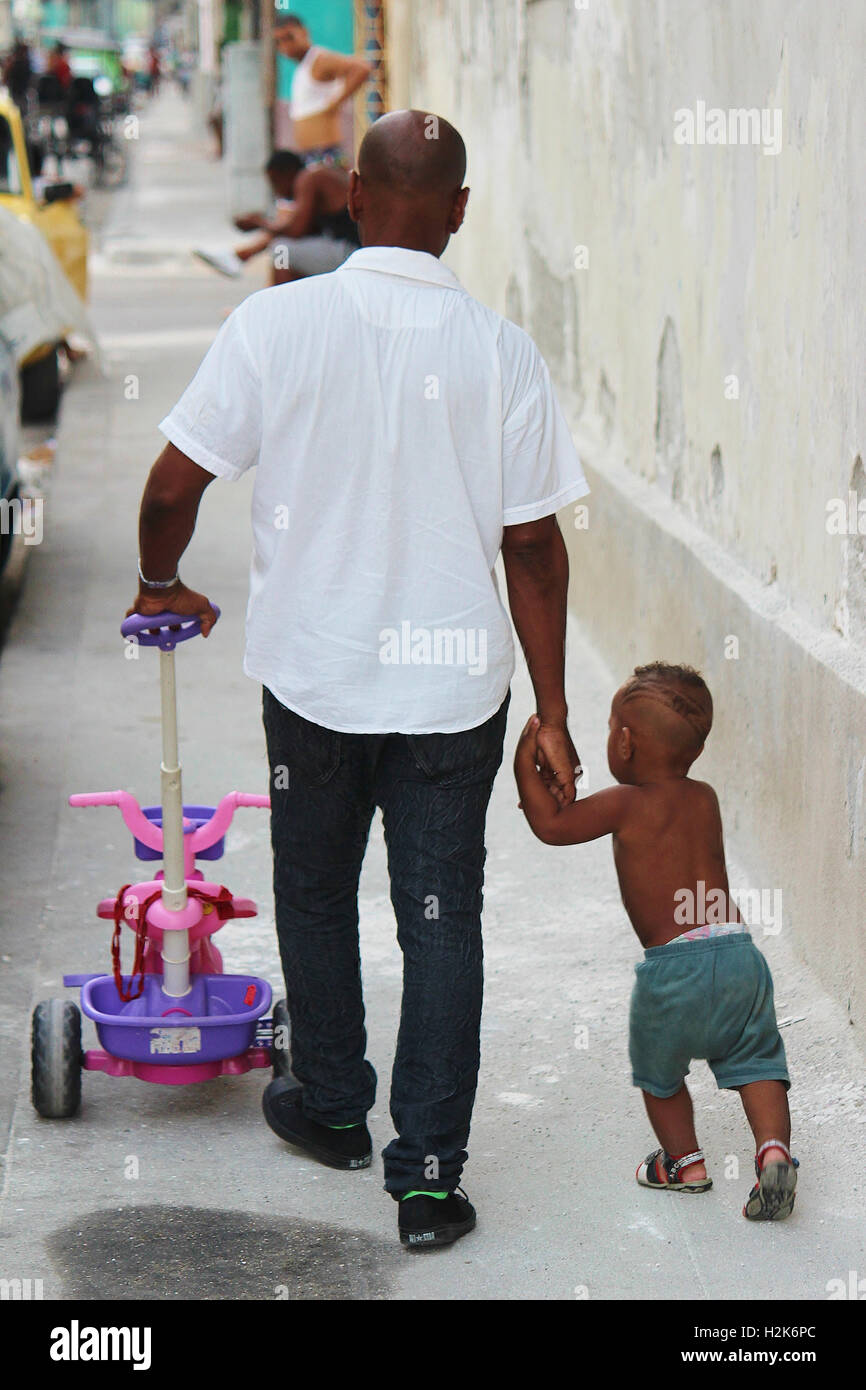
[[399, 260]]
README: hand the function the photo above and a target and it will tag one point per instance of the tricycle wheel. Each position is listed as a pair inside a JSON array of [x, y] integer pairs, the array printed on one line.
[[281, 1044], [56, 1058]]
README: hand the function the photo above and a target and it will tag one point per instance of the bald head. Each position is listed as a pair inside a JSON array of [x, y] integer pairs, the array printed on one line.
[[407, 189], [413, 155]]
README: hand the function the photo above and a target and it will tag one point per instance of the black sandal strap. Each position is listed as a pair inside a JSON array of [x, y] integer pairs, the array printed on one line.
[[657, 1158], [673, 1165]]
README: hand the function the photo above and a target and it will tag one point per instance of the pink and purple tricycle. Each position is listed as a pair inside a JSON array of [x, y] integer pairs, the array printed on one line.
[[176, 1018]]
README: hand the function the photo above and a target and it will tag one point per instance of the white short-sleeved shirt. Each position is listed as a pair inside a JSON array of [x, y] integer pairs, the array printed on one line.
[[397, 426]]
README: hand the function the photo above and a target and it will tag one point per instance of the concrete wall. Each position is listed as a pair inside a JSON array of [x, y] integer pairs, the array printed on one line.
[[703, 308]]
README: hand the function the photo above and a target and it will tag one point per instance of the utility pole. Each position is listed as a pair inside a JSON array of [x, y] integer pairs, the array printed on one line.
[[247, 133], [269, 68], [5, 25]]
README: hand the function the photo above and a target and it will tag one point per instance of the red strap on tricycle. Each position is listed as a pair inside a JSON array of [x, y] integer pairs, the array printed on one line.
[[222, 904], [141, 911]]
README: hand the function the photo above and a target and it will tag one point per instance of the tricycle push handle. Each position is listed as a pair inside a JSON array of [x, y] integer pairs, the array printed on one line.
[[163, 630]]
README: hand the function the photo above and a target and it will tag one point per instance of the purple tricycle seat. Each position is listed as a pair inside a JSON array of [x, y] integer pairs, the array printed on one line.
[[212, 1022], [198, 815]]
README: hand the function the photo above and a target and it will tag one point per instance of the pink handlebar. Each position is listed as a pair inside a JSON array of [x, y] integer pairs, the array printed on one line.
[[134, 818], [99, 798], [221, 819], [151, 835]]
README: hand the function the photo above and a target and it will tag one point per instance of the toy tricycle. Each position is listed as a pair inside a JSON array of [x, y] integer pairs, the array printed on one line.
[[176, 1018]]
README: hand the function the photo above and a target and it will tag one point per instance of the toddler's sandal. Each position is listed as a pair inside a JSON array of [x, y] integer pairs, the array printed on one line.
[[772, 1197], [660, 1162]]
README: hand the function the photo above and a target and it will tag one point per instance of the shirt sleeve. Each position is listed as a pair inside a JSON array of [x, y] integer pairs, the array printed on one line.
[[541, 471], [218, 420]]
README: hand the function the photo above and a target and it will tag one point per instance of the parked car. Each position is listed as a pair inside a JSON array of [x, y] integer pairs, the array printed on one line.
[[44, 305], [8, 445]]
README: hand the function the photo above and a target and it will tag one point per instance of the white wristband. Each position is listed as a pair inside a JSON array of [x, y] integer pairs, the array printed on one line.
[[158, 583]]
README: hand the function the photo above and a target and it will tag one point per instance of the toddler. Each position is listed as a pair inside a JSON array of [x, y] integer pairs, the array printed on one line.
[[703, 988]]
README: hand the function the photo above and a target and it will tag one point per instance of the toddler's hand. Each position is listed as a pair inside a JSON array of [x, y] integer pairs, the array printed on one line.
[[526, 752], [527, 741]]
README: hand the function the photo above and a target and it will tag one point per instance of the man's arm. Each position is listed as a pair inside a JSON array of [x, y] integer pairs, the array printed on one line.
[[169, 507], [296, 221], [588, 819], [354, 71], [300, 219], [536, 573], [251, 221]]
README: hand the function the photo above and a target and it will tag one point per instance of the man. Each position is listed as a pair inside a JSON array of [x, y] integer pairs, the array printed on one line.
[[53, 86], [18, 73], [154, 69], [310, 230], [58, 66], [321, 84], [403, 433], [83, 113]]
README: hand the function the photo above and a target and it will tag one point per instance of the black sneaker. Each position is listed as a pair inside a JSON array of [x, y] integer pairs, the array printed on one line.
[[339, 1148], [425, 1222]]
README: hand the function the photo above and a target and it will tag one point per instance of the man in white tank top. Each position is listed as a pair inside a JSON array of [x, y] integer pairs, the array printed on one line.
[[322, 82]]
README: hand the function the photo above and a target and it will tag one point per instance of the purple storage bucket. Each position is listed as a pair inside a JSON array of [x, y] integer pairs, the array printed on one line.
[[209, 1024]]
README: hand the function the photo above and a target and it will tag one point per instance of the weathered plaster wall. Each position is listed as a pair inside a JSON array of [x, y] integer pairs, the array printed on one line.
[[709, 343]]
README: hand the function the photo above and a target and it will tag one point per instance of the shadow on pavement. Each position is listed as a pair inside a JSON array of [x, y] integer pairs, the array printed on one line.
[[163, 1253]]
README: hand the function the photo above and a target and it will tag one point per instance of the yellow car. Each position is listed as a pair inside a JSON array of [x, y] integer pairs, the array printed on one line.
[[55, 216]]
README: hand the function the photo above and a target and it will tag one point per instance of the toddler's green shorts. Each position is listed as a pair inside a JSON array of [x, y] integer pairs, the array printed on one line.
[[710, 999]]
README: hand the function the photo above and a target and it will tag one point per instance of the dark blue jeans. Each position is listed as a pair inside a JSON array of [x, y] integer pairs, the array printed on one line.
[[433, 790]]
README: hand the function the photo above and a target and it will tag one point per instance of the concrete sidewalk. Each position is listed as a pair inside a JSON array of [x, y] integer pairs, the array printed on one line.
[[183, 1192]]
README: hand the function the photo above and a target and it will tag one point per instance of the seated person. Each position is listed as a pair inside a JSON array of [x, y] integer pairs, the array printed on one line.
[[310, 231]]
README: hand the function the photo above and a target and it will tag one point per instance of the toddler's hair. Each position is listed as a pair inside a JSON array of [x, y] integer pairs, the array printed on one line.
[[681, 688]]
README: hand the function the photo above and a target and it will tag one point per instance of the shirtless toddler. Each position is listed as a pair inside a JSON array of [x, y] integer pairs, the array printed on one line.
[[703, 989]]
